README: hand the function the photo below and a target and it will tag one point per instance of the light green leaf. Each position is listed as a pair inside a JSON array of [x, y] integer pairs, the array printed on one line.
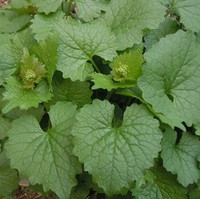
[[5, 125], [116, 155], [126, 67], [159, 184], [43, 26], [169, 26], [17, 96], [11, 21], [127, 19], [189, 11], [170, 80], [77, 92], [79, 43], [102, 81], [8, 176], [44, 6], [11, 50], [46, 52], [181, 158], [90, 9], [46, 157], [197, 127], [47, 6]]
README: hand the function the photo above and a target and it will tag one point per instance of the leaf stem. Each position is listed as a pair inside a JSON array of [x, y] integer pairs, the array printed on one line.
[[95, 66], [69, 8]]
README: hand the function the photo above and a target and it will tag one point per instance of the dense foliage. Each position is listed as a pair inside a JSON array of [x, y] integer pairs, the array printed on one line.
[[101, 98]]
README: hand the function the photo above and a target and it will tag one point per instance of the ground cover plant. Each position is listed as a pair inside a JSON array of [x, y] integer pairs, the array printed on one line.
[[100, 98]]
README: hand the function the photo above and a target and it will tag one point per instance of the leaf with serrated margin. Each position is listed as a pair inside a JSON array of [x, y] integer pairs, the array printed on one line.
[[79, 43], [170, 80], [128, 19], [17, 96], [90, 9], [181, 158], [46, 157], [46, 52], [116, 156]]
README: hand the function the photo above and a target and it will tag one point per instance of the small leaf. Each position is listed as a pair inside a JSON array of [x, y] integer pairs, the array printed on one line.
[[106, 82], [31, 70]]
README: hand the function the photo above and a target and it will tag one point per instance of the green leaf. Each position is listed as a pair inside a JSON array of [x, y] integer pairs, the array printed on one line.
[[181, 158], [47, 6], [106, 82], [43, 26], [198, 37], [44, 6], [46, 52], [159, 184], [17, 96], [127, 19], [90, 9], [8, 176], [127, 66], [5, 125], [197, 127], [77, 92], [170, 80], [46, 157], [116, 156], [11, 21], [79, 43], [189, 11], [169, 26], [11, 50]]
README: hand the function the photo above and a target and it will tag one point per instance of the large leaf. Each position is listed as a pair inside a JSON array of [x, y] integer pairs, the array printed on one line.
[[189, 11], [8, 176], [181, 158], [46, 157], [170, 80], [128, 18], [18, 96], [116, 155], [159, 184], [79, 43]]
